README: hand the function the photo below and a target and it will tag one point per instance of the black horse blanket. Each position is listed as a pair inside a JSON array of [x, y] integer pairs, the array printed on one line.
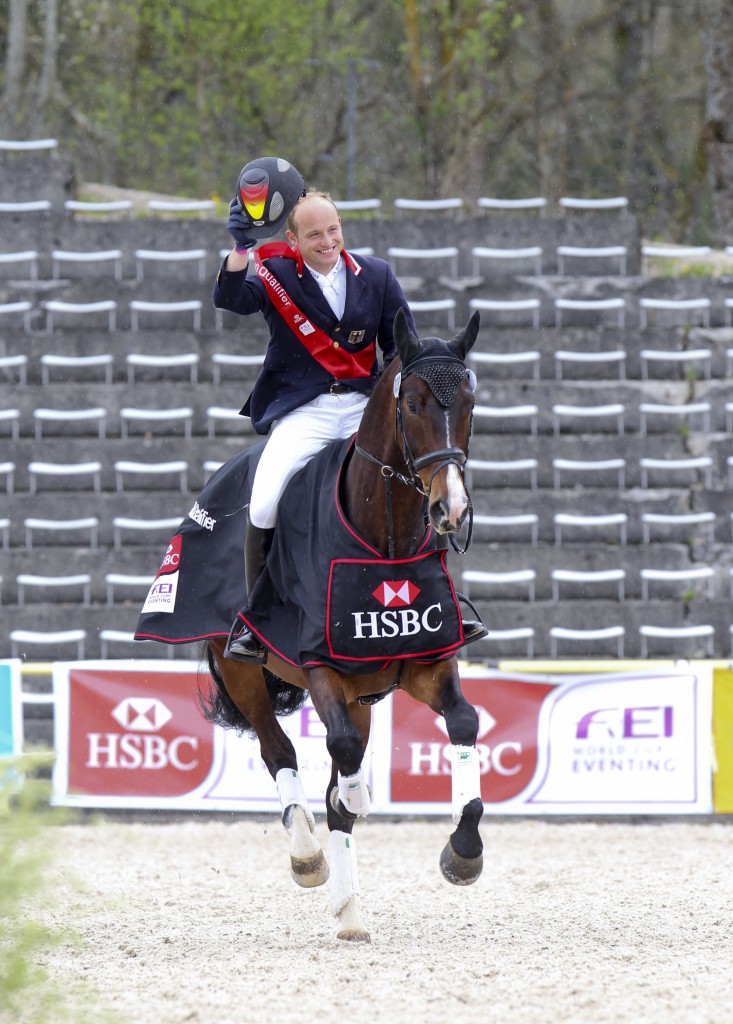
[[326, 595]]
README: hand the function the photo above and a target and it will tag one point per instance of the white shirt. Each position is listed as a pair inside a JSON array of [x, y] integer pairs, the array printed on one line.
[[333, 286]]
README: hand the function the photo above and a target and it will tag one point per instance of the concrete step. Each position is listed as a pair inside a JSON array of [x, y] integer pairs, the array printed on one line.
[[52, 618], [598, 614], [158, 389], [541, 615]]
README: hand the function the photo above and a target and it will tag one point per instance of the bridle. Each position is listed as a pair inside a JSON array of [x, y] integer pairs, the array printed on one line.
[[443, 374]]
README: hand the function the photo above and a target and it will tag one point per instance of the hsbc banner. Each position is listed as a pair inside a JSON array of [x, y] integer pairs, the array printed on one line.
[[130, 734], [11, 709], [636, 743]]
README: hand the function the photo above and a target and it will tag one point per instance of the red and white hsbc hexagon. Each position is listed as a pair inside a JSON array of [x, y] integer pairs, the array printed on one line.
[[123, 734], [508, 710]]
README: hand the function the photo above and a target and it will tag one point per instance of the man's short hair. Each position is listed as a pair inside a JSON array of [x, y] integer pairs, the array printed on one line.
[[310, 194]]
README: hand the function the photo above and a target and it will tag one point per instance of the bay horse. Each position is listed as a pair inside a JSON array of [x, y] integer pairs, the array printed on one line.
[[409, 457]]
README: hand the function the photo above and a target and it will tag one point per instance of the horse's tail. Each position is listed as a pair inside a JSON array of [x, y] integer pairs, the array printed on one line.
[[218, 707], [215, 703]]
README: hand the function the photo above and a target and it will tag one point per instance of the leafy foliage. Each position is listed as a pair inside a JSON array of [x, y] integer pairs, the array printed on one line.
[[466, 97]]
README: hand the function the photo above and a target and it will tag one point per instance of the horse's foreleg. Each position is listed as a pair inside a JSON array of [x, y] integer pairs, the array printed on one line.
[[307, 864], [461, 861], [347, 733]]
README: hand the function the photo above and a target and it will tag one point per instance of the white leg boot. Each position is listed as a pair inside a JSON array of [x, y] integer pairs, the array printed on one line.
[[345, 899], [307, 864]]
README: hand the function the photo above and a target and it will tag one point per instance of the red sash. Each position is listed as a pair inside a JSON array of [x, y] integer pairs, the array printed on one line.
[[330, 354]]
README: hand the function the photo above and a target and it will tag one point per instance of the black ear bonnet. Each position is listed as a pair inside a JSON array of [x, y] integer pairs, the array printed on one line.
[[441, 370]]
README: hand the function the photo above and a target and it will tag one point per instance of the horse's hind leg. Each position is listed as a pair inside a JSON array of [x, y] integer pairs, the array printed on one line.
[[246, 687]]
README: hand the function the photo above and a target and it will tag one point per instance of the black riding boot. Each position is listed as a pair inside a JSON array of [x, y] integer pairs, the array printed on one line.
[[473, 629], [257, 543]]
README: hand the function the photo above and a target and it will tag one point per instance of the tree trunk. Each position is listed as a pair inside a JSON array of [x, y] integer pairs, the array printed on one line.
[[14, 63], [553, 104], [47, 80], [718, 38], [634, 25]]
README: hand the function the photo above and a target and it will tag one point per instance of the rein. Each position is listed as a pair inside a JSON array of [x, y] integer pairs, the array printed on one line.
[[443, 456]]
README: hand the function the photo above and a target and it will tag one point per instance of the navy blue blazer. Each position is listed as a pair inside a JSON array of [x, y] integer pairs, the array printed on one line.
[[290, 376]]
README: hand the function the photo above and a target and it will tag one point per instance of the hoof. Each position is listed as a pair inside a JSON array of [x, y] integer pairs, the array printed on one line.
[[308, 866], [460, 870], [349, 923], [335, 801], [353, 935], [311, 872]]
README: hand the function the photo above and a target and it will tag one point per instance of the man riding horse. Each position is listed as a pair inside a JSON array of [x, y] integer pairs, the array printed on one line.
[[326, 312]]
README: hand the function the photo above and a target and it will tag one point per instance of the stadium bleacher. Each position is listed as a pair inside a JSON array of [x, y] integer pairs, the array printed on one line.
[[608, 470]]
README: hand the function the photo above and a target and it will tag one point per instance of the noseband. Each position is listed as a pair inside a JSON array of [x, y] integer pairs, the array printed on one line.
[[443, 375]]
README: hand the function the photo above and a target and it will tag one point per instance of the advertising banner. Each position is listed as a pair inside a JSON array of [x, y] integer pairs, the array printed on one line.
[[131, 734], [11, 709], [509, 711], [636, 743], [723, 740]]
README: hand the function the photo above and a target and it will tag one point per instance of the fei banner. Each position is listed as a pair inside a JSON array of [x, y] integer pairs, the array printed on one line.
[[607, 744], [130, 734]]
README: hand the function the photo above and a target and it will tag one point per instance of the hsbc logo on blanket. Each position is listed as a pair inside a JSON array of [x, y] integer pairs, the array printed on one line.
[[398, 618], [396, 595], [397, 608], [172, 557]]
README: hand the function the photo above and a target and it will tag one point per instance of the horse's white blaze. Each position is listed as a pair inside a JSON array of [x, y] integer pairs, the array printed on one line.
[[465, 779], [457, 497]]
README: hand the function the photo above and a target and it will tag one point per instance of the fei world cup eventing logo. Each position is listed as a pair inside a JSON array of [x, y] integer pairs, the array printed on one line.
[[162, 594]]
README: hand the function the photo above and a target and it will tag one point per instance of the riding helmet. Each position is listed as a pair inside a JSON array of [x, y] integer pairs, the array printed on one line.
[[268, 188]]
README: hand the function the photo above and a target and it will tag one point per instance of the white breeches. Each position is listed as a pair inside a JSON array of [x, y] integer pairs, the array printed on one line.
[[294, 440]]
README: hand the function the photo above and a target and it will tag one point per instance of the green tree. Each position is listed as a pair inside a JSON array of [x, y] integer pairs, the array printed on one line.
[[510, 97]]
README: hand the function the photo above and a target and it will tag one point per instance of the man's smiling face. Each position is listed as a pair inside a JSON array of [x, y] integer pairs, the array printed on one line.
[[317, 233]]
